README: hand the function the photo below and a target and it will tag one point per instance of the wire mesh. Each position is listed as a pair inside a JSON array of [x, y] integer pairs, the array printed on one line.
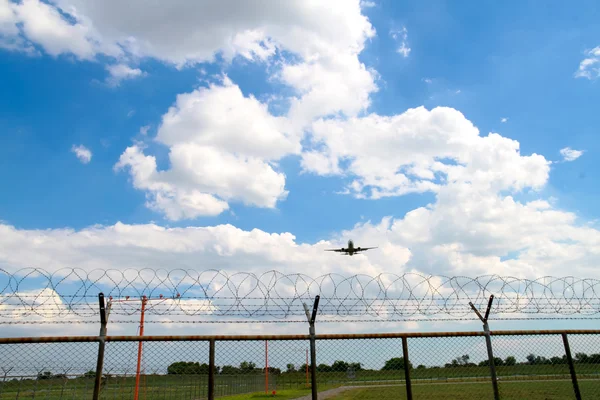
[[47, 370], [446, 367], [362, 365], [167, 370], [261, 367], [528, 366], [585, 351], [532, 365]]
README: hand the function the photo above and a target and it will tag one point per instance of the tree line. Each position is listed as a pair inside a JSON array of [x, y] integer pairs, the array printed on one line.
[[393, 364]]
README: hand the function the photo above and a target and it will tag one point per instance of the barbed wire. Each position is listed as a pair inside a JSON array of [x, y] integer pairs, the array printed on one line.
[[71, 296]]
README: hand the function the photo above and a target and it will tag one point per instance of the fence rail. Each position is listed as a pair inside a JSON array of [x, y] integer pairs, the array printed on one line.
[[434, 365]]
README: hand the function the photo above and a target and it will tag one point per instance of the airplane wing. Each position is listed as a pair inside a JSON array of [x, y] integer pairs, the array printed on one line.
[[338, 250], [364, 248]]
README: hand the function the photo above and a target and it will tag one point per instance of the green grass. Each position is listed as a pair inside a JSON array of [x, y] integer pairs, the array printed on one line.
[[509, 391], [285, 394], [290, 386]]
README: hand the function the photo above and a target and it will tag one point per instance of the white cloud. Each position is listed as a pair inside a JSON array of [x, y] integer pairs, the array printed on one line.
[[325, 40], [590, 66], [367, 4], [223, 147], [83, 153], [120, 72], [463, 233], [503, 120], [144, 130], [402, 36], [32, 22], [570, 154], [427, 80], [9, 31], [417, 151]]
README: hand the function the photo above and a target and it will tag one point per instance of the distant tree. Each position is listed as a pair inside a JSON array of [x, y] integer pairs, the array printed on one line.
[[273, 370], [510, 360], [339, 366], [581, 358], [394, 364], [462, 361], [247, 366], [355, 366], [558, 360], [290, 368], [421, 366], [302, 367], [229, 370], [497, 362], [89, 375], [594, 359], [324, 368], [187, 368], [536, 360]]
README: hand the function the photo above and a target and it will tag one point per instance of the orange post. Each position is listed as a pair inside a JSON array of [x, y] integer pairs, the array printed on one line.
[[306, 367], [266, 367], [139, 358]]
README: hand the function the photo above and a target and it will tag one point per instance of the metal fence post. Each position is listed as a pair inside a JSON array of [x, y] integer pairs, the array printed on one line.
[[571, 366], [313, 346], [488, 343], [211, 370], [101, 347], [406, 368]]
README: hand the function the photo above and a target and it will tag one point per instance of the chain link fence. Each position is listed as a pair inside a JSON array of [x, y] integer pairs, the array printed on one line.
[[454, 365]]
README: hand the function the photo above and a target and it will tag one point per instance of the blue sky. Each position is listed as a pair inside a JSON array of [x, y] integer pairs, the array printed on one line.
[[335, 87]]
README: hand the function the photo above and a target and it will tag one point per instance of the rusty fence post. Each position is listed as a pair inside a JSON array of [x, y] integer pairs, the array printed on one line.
[[406, 368], [211, 369], [313, 346], [571, 366], [101, 347], [488, 344]]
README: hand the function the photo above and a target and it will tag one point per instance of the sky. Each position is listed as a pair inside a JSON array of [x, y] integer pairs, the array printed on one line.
[[458, 138]]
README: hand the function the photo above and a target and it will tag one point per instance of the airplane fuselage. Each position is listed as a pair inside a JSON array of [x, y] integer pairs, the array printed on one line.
[[350, 247]]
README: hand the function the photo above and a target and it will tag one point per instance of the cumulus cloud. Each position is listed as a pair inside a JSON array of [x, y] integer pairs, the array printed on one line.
[[503, 120], [462, 233], [120, 72], [418, 151], [83, 153], [589, 67], [324, 40], [223, 147], [570, 154], [35, 23]]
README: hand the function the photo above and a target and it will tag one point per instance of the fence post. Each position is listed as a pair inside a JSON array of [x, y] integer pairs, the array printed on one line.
[[101, 347], [571, 367], [488, 343], [211, 369], [313, 346], [406, 368]]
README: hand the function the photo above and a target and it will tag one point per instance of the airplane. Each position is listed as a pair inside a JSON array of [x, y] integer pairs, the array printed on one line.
[[351, 249]]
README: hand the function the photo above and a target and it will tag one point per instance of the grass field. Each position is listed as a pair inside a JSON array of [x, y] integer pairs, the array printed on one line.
[[510, 391], [431, 383]]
